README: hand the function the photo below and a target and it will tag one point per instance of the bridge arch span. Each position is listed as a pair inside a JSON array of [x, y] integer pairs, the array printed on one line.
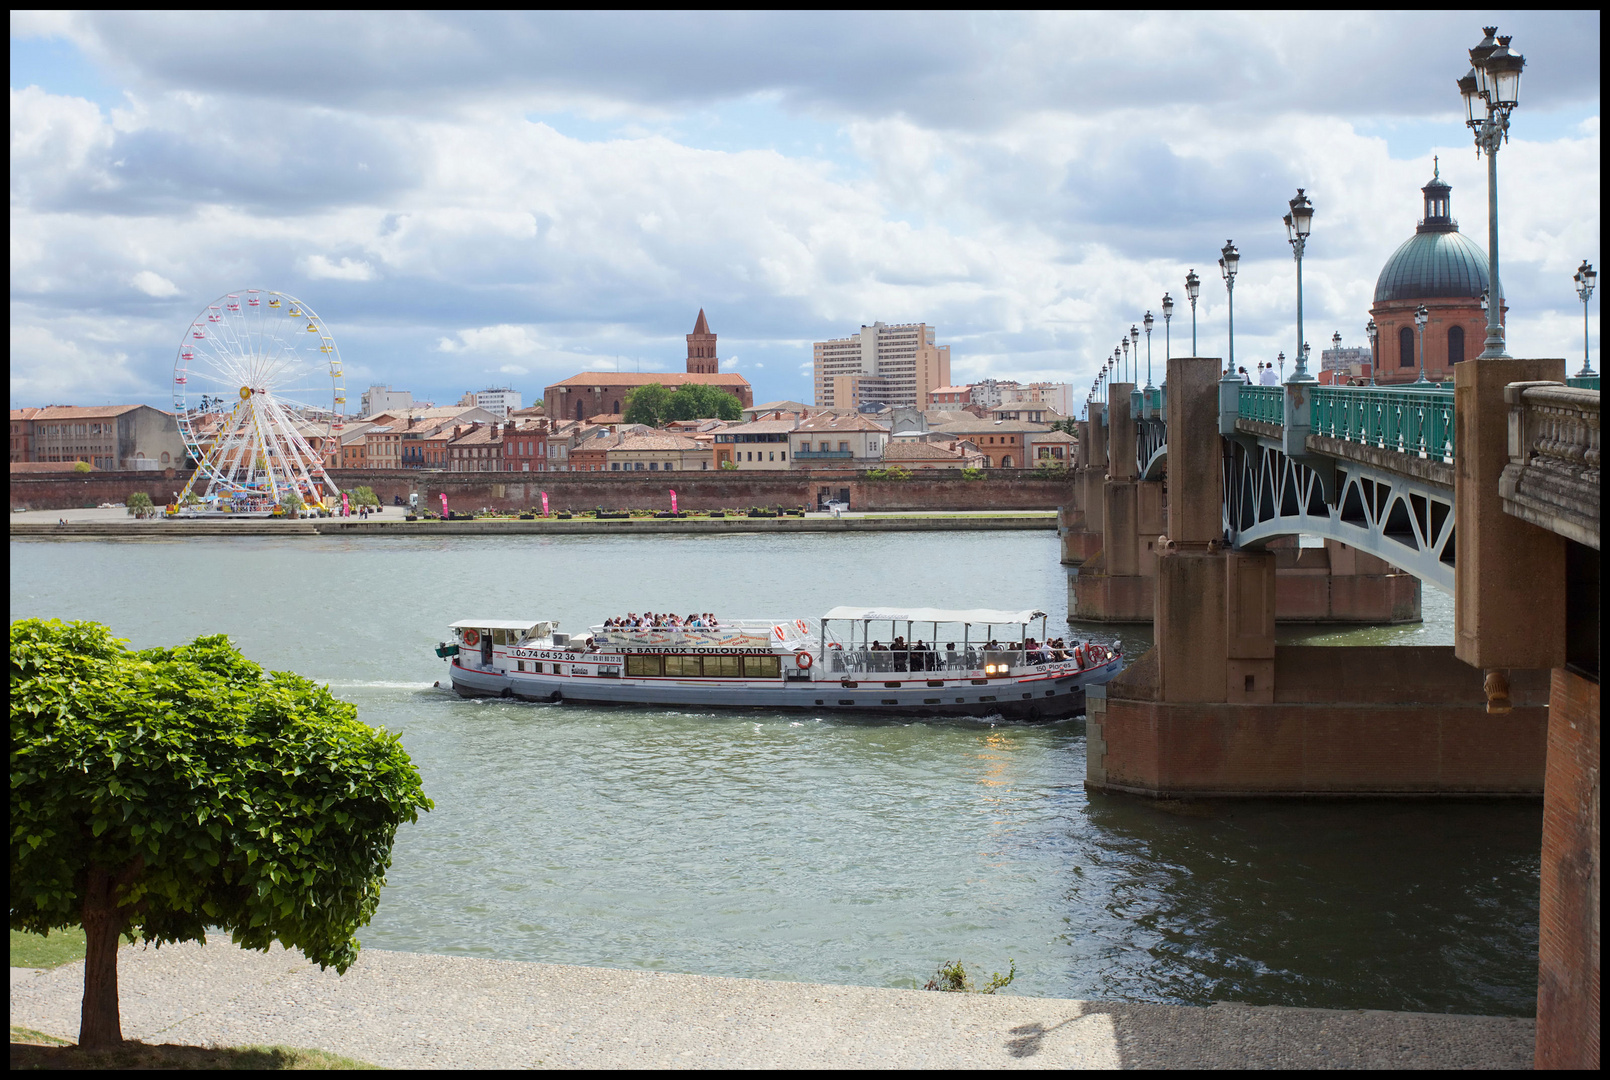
[[1403, 521]]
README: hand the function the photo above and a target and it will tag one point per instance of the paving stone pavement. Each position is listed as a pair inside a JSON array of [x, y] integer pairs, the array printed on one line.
[[410, 1010]]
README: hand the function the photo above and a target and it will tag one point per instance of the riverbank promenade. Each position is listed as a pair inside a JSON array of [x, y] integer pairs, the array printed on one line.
[[408, 1010]]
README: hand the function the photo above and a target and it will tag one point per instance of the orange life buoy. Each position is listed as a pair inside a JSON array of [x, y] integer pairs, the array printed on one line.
[[804, 660], [800, 623], [1079, 656], [471, 638], [778, 630]]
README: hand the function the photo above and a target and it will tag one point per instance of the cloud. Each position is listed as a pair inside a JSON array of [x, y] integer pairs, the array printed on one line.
[[318, 267], [153, 284], [535, 195]]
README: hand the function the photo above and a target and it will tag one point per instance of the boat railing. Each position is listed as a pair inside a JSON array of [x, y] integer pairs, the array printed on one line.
[[746, 633], [858, 661]]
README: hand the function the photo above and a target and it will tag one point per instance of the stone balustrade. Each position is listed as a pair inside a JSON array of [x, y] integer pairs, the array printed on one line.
[[1552, 479]]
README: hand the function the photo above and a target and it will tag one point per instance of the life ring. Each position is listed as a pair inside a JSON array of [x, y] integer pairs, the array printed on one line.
[[1079, 656], [778, 630], [471, 638], [804, 660], [800, 623]]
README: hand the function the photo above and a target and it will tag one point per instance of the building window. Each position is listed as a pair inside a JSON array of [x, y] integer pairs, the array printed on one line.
[[669, 467], [1456, 345], [1405, 348], [615, 466], [654, 466]]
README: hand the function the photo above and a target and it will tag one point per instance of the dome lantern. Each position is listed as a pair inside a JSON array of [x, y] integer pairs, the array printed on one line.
[[1438, 204]]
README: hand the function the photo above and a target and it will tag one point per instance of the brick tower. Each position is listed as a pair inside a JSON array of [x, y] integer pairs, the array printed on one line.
[[702, 349]]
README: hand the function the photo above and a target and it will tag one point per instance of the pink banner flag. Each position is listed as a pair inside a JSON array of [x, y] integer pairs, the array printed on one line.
[[673, 500], [444, 506], [344, 510], [544, 504]]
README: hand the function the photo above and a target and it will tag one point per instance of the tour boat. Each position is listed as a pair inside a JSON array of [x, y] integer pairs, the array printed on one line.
[[842, 664]]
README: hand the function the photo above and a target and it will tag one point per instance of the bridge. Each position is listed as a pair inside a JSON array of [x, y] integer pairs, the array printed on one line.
[[1487, 489]]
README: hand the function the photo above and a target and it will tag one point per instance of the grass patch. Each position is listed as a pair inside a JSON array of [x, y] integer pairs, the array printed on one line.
[[35, 1050], [39, 951]]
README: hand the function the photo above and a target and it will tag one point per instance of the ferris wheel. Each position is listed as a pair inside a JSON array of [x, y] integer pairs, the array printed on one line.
[[260, 399]]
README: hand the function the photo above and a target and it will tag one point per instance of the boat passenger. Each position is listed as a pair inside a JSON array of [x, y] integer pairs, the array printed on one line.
[[898, 648], [950, 654]]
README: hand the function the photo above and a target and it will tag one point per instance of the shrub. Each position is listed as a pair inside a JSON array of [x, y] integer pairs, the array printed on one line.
[[139, 505], [953, 978], [896, 473], [973, 474], [82, 467]]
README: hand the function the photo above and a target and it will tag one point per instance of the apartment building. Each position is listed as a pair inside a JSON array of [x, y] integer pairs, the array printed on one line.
[[897, 365]]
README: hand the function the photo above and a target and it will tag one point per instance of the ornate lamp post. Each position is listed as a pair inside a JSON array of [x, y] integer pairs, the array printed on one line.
[[1298, 223], [1168, 317], [1148, 322], [1193, 289], [1229, 263], [1421, 317], [1134, 339], [1123, 369], [1282, 359], [1374, 334], [1491, 89], [1585, 279]]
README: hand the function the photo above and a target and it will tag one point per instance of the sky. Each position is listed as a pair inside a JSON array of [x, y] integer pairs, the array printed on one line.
[[499, 199]]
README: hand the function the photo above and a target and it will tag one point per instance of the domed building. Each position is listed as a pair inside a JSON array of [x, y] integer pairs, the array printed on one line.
[[1444, 270]]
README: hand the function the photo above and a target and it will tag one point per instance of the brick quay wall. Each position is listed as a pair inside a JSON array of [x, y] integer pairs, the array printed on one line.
[[1002, 489]]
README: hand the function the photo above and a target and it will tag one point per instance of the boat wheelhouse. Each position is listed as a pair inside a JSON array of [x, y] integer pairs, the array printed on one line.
[[984, 663]]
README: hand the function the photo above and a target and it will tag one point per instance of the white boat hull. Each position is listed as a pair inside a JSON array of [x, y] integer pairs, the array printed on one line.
[[1045, 692]]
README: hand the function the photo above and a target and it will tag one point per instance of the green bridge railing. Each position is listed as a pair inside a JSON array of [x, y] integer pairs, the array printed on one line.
[[1414, 422], [1583, 382], [1263, 403]]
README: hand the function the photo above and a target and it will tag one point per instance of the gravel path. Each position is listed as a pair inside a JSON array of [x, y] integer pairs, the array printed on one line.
[[409, 1010]]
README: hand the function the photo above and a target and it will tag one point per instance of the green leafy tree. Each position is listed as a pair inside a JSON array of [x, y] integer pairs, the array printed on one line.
[[973, 474], [292, 504], [697, 401], [649, 405], [139, 505], [363, 496], [162, 792], [82, 467]]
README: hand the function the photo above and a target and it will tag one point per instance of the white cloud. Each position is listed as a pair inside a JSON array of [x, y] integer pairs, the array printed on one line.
[[154, 284], [318, 267], [503, 340]]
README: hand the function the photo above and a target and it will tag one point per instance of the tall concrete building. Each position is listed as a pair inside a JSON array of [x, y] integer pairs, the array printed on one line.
[[897, 365]]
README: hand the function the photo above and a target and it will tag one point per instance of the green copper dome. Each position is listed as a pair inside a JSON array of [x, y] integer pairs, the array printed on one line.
[[1438, 260]]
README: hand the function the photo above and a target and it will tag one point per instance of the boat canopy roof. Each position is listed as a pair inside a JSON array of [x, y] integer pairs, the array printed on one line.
[[924, 614], [495, 624]]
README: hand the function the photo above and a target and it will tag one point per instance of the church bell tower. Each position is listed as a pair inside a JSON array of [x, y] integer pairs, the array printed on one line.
[[702, 349]]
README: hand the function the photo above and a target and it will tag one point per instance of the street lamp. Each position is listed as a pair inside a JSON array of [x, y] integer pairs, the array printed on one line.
[[1374, 334], [1229, 263], [1282, 359], [1124, 369], [1421, 317], [1491, 89], [1134, 339], [1193, 289], [1585, 278], [1148, 322], [1298, 223], [1168, 317]]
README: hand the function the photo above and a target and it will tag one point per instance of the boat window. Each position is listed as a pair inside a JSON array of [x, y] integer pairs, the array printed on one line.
[[500, 637], [684, 666], [637, 666], [763, 667], [721, 667]]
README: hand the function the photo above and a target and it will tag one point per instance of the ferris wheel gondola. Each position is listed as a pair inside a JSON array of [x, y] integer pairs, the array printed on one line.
[[290, 399]]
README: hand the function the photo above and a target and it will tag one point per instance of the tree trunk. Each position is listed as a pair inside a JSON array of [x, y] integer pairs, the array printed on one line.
[[99, 1023]]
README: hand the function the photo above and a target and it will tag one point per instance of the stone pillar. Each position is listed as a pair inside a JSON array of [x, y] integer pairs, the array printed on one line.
[[1568, 907], [1189, 626], [1509, 596], [1195, 453], [1120, 433], [1249, 627]]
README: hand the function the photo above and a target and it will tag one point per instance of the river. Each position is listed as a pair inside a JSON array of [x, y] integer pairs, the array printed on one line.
[[826, 850]]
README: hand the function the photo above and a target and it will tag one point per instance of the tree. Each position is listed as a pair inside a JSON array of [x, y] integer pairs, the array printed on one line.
[[83, 467], [140, 505], [292, 504], [647, 405], [162, 792], [697, 401], [363, 496]]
